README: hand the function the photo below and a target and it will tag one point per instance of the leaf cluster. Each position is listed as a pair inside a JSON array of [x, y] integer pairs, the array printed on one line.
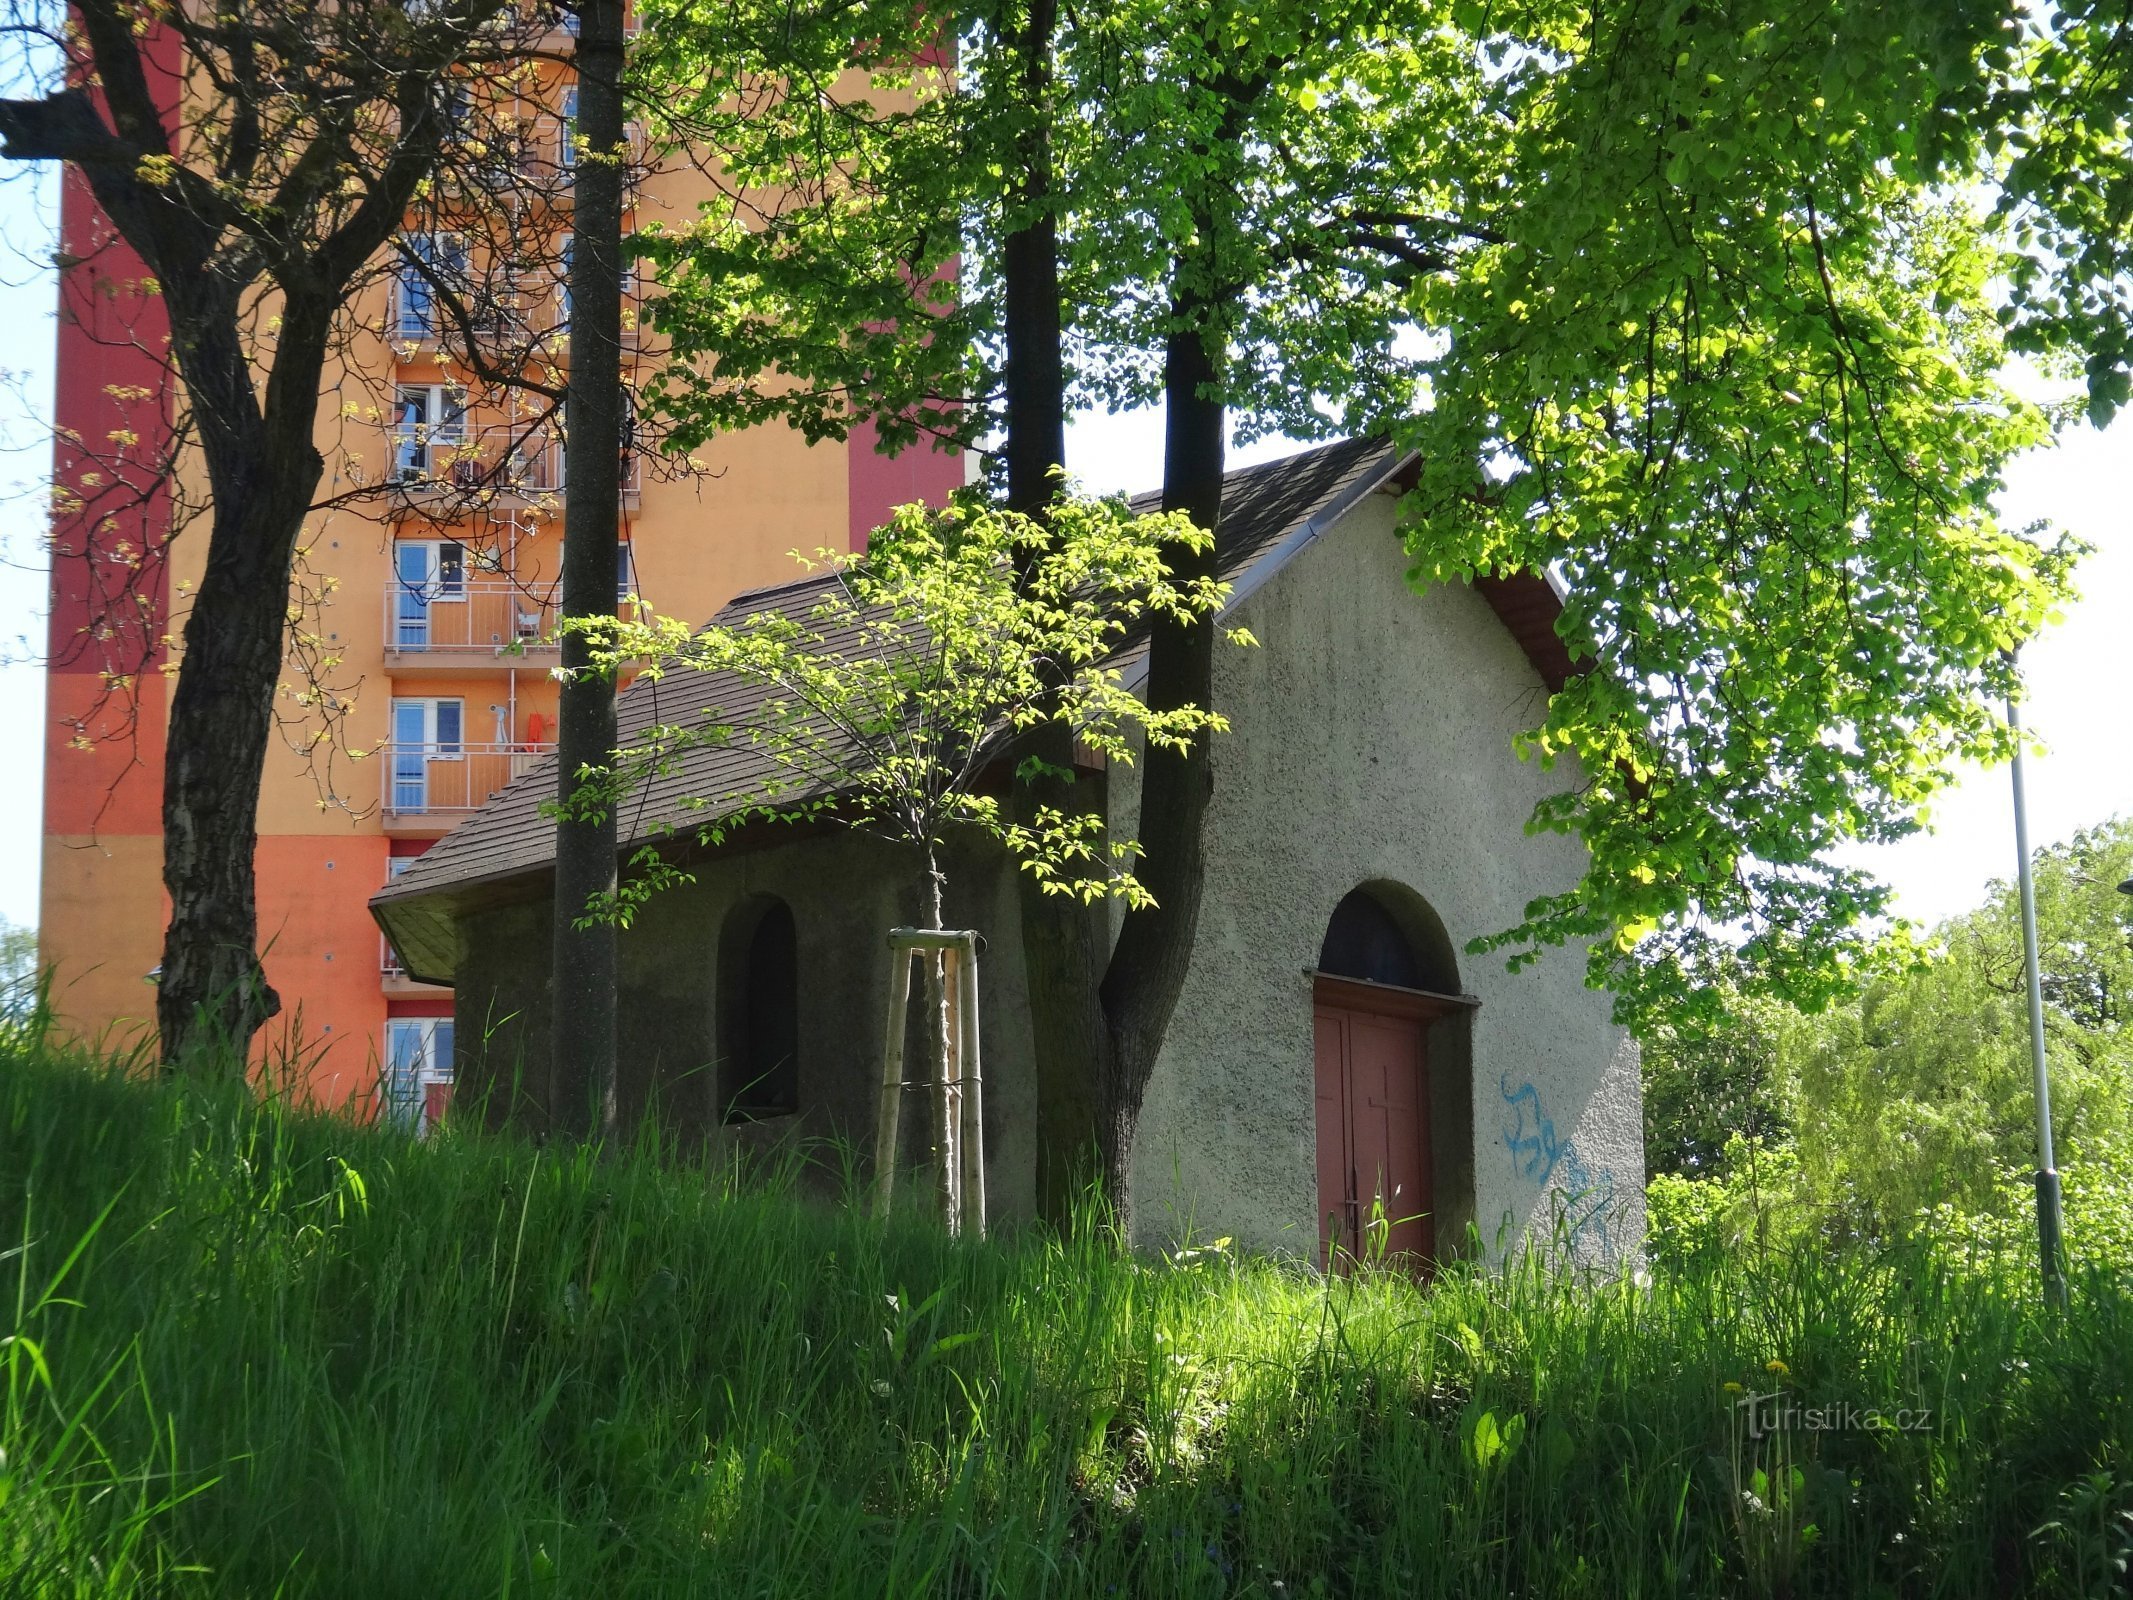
[[1732, 376], [888, 694]]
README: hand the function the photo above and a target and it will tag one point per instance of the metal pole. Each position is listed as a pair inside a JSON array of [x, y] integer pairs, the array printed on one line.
[[2049, 1219]]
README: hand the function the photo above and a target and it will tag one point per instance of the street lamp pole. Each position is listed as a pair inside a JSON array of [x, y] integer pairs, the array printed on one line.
[[2049, 1216]]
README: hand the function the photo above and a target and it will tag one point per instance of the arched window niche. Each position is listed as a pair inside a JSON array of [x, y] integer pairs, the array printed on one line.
[[1383, 932], [759, 1012], [1388, 963]]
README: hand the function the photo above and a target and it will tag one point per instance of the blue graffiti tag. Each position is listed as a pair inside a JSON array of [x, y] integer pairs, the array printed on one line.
[[1585, 1199]]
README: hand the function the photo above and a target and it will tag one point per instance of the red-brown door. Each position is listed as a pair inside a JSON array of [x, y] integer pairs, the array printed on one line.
[[1374, 1190]]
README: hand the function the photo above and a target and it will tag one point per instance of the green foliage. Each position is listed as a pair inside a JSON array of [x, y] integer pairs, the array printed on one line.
[[1751, 1195], [1708, 1084], [2053, 120], [1669, 298], [1731, 372], [1913, 1100], [817, 285], [342, 1363], [881, 696], [1920, 1090]]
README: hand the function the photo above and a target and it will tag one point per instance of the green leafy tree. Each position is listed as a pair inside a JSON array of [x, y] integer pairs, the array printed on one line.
[[1916, 1091], [887, 697], [1920, 1089], [1731, 371], [1709, 1085], [1669, 302], [915, 668]]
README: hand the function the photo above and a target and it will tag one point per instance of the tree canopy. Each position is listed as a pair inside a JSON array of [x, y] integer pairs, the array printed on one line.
[[1675, 302], [1916, 1091]]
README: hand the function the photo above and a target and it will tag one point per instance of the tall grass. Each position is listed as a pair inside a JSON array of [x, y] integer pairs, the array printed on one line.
[[254, 1352]]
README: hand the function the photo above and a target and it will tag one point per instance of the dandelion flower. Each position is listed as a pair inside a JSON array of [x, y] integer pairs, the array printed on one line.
[[1732, 1388], [1779, 1368]]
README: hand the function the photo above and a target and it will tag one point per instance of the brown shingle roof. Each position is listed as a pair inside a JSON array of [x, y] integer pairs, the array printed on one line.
[[1269, 512]]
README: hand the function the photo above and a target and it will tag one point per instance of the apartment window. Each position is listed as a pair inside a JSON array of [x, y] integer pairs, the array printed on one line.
[[426, 572], [424, 731], [458, 113], [428, 259], [418, 1077], [625, 573], [567, 133], [429, 423]]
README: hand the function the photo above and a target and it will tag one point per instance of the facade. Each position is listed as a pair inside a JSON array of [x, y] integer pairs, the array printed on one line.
[[1334, 1046], [426, 631]]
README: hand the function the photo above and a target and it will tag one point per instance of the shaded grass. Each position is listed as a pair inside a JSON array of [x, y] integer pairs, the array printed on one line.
[[299, 1357]]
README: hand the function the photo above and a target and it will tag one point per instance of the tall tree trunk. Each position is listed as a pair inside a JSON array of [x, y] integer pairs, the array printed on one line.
[[1147, 969], [581, 1095], [1062, 954], [1035, 376], [262, 469]]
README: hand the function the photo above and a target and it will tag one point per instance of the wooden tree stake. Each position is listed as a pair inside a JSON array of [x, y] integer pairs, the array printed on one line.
[[958, 1102]]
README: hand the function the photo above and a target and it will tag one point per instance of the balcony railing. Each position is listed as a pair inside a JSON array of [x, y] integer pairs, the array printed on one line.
[[446, 458], [394, 978], [444, 461], [523, 321], [479, 618], [430, 783]]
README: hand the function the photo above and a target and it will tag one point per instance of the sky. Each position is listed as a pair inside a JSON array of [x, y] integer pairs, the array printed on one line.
[[2079, 676]]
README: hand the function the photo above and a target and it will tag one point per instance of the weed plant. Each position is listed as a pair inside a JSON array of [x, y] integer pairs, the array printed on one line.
[[255, 1352]]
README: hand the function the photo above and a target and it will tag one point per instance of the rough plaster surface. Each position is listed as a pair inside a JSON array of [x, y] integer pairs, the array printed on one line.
[[1371, 743], [846, 891]]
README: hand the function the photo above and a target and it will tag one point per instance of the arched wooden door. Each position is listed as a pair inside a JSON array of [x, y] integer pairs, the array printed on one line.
[[1375, 1188]]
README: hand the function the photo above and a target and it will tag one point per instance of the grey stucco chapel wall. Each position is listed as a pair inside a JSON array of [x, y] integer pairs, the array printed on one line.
[[1371, 745]]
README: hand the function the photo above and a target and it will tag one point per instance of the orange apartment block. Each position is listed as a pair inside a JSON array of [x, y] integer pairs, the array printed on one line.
[[433, 602]]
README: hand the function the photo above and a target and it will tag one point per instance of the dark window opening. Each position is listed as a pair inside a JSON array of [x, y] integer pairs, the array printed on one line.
[[760, 1073], [1363, 941]]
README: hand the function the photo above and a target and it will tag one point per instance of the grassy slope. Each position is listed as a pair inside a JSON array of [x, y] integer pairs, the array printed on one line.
[[376, 1369]]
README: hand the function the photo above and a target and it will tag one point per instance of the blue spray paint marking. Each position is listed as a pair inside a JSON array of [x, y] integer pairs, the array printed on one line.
[[1585, 1199]]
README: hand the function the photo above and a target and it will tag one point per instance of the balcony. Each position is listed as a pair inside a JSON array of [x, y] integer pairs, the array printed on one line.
[[443, 624], [444, 471], [513, 323], [393, 978], [432, 787]]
